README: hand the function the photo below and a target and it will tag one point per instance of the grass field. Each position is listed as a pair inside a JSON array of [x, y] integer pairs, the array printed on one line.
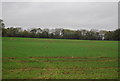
[[33, 58]]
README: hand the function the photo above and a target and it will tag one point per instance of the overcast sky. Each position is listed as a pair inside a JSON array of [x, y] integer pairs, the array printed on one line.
[[72, 15]]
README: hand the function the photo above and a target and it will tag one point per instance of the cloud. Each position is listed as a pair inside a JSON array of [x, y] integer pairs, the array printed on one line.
[[0, 10], [74, 15], [60, 0]]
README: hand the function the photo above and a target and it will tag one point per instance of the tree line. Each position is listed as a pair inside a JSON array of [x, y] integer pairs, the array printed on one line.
[[60, 33]]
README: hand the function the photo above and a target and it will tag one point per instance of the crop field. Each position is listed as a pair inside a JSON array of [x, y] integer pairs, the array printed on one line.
[[36, 58]]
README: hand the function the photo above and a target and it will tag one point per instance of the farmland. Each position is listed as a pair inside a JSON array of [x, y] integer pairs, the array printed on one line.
[[35, 58]]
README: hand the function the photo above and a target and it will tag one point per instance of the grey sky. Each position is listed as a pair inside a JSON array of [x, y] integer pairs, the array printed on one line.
[[0, 10], [72, 15]]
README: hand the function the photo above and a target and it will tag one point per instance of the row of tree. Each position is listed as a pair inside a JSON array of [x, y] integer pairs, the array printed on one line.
[[60, 33]]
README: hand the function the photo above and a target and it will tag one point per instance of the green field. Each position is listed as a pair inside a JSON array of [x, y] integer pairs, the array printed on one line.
[[34, 58]]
